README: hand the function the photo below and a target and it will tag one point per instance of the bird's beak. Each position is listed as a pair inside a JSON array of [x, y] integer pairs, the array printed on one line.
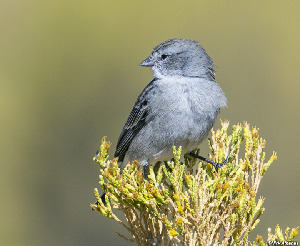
[[148, 62]]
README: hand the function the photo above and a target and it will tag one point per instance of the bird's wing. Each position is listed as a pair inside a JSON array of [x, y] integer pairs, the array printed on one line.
[[136, 120]]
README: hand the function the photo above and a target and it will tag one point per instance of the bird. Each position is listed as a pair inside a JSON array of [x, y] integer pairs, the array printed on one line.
[[177, 108]]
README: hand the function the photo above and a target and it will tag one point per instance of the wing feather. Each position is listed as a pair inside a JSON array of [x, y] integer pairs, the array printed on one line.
[[137, 119]]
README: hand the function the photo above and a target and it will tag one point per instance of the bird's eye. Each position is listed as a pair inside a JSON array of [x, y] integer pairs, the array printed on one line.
[[164, 56]]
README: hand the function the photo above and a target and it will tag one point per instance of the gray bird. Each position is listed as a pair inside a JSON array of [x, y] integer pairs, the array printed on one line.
[[177, 108]]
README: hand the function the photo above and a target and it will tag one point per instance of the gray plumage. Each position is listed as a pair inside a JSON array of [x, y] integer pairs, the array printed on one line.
[[177, 108]]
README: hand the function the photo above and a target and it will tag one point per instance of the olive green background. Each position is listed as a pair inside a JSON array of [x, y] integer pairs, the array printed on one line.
[[69, 75]]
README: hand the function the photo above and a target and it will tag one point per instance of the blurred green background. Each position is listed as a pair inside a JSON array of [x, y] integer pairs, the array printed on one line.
[[69, 75]]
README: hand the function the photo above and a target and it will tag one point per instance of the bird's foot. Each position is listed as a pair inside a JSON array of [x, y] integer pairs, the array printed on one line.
[[217, 165]]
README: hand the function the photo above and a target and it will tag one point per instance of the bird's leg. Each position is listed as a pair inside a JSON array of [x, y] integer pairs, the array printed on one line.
[[145, 169], [217, 165]]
